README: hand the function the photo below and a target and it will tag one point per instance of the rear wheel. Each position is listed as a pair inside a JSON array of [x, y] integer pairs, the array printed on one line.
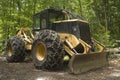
[[15, 50], [47, 50]]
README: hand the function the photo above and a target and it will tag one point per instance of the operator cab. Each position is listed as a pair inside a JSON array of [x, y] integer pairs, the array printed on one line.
[[44, 19], [63, 22]]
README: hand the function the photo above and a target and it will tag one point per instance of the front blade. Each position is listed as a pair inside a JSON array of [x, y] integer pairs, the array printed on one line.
[[84, 62]]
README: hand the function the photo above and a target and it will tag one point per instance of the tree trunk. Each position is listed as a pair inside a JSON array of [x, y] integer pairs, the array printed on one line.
[[96, 12], [19, 11], [80, 6], [34, 9], [105, 14]]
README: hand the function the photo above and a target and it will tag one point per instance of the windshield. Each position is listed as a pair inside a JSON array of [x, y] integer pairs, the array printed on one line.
[[62, 15], [56, 16]]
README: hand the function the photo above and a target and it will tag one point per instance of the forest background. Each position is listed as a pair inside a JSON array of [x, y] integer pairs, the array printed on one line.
[[102, 15]]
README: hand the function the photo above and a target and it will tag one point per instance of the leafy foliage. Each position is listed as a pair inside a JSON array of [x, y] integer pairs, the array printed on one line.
[[103, 15]]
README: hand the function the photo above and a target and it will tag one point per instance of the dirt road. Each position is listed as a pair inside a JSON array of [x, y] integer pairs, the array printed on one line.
[[26, 71]]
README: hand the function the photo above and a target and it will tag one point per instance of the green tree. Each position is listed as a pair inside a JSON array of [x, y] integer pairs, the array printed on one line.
[[102, 15]]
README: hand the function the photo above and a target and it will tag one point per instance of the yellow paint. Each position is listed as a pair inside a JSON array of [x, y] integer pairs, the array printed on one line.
[[10, 51], [28, 46], [70, 20], [72, 41], [26, 38], [69, 37], [69, 51], [40, 51], [100, 46]]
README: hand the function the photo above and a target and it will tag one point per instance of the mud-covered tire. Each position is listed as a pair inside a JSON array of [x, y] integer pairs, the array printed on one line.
[[15, 50], [54, 51]]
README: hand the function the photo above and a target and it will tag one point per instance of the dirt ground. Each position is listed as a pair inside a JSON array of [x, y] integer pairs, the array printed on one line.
[[27, 71]]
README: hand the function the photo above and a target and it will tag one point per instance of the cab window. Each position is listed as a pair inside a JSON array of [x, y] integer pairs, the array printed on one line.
[[56, 16], [36, 22]]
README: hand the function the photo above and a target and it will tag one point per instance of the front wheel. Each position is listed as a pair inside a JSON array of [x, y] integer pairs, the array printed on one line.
[[47, 50]]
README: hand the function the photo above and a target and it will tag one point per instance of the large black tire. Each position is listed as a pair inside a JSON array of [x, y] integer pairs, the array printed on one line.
[[15, 50], [47, 50]]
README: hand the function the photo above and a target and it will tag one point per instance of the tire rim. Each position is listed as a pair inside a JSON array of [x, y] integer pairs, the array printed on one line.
[[40, 50], [10, 51]]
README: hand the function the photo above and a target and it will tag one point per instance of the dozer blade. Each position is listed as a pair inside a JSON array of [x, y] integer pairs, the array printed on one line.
[[80, 63]]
